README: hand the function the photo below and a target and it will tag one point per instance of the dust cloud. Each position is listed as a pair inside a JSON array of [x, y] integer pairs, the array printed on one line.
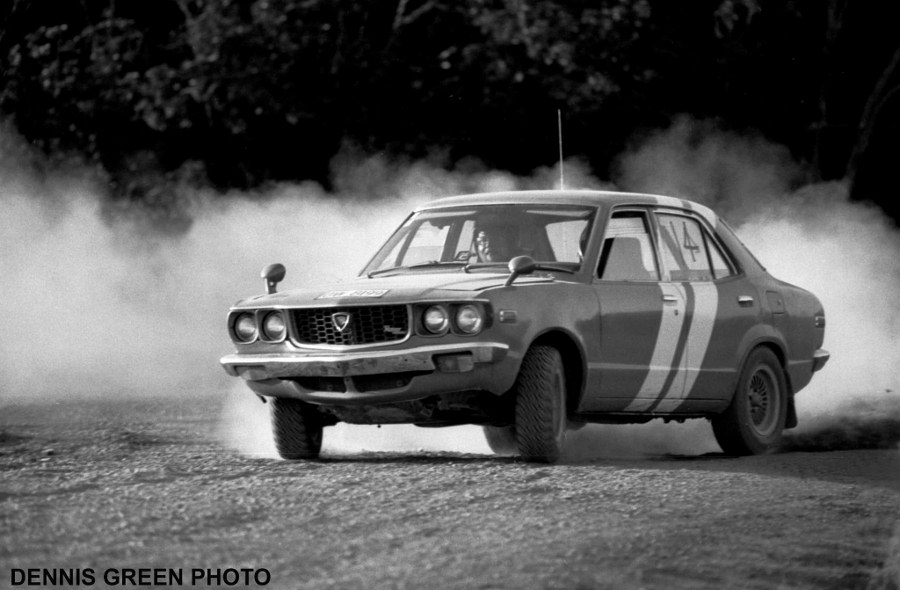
[[97, 305], [108, 308]]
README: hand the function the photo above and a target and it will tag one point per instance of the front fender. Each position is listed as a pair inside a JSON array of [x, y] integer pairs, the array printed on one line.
[[541, 311]]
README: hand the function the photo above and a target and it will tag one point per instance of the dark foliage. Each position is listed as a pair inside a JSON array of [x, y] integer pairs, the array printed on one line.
[[238, 93]]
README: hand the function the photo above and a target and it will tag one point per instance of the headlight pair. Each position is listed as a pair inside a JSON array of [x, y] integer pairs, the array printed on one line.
[[268, 326], [466, 319]]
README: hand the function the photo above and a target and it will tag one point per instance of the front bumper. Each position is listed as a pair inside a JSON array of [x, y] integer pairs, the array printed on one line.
[[437, 369]]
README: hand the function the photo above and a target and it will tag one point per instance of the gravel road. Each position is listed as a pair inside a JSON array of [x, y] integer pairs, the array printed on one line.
[[129, 486]]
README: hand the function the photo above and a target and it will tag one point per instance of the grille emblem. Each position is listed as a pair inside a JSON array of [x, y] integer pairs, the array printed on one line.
[[341, 321]]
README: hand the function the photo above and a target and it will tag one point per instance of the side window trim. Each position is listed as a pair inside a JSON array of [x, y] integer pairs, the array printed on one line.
[[739, 269], [727, 256], [710, 243], [710, 234]]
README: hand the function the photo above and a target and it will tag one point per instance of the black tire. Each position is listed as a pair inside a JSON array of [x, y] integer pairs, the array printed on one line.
[[754, 422], [297, 429], [501, 439], [541, 419]]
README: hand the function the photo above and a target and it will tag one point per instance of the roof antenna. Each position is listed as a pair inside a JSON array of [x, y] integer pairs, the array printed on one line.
[[562, 173]]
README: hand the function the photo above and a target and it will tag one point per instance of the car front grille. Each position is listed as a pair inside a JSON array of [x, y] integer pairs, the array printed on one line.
[[371, 324]]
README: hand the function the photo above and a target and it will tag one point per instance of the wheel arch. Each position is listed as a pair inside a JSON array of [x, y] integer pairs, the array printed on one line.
[[574, 363]]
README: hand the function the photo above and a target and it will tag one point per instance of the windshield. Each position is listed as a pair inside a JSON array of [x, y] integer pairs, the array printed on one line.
[[487, 235]]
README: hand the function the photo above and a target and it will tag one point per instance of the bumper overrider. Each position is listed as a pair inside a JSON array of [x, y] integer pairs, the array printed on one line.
[[419, 372]]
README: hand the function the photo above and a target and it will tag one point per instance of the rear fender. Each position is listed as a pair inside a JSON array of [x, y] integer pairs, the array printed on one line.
[[777, 348]]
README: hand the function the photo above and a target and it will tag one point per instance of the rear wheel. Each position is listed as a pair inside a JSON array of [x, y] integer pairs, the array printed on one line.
[[753, 423], [501, 439], [297, 428], [540, 419]]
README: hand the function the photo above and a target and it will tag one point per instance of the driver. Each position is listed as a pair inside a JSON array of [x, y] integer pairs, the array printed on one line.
[[493, 243]]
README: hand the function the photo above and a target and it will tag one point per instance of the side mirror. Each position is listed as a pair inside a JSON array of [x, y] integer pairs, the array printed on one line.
[[520, 265], [273, 274]]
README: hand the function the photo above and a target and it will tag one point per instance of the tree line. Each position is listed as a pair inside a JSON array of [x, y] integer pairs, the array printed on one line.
[[238, 93]]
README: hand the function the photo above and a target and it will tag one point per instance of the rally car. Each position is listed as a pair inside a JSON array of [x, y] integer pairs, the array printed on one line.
[[533, 312]]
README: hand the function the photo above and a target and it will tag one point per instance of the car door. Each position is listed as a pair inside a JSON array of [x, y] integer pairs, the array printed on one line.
[[716, 315], [737, 312], [634, 309]]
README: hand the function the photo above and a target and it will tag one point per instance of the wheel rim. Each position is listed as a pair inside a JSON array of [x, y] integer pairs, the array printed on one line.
[[764, 400]]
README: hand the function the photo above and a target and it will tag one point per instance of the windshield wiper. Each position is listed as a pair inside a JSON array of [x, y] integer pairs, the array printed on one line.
[[426, 264], [470, 265], [554, 267], [537, 266]]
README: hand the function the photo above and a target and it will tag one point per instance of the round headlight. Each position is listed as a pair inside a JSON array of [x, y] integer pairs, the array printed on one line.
[[435, 319], [469, 319], [273, 327], [245, 327]]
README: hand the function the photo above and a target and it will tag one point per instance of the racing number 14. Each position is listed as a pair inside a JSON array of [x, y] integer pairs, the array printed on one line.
[[687, 242]]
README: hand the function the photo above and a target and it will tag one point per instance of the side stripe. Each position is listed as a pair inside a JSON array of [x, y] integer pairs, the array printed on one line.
[[674, 385], [706, 304], [664, 352]]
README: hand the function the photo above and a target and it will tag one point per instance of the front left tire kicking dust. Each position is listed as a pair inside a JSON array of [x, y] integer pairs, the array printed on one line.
[[297, 429]]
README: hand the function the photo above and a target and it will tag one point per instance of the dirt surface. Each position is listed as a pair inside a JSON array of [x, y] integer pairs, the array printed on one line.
[[147, 485]]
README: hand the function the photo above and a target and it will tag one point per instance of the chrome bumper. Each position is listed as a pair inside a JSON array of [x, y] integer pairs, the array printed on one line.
[[449, 367], [259, 367]]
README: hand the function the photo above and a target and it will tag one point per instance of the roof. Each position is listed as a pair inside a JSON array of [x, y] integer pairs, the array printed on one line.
[[570, 197]]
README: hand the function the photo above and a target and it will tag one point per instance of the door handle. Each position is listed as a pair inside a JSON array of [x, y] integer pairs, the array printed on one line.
[[745, 301], [670, 298]]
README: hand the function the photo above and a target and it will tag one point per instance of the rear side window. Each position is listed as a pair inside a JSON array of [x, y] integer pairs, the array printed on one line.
[[627, 253], [683, 249]]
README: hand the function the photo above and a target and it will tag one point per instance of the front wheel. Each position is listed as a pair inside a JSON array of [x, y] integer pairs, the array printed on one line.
[[297, 428], [753, 423], [540, 422]]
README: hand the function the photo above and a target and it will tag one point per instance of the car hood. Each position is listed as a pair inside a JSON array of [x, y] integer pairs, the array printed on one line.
[[423, 286]]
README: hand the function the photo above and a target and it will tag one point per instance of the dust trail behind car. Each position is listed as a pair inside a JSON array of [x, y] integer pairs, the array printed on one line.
[[866, 423]]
